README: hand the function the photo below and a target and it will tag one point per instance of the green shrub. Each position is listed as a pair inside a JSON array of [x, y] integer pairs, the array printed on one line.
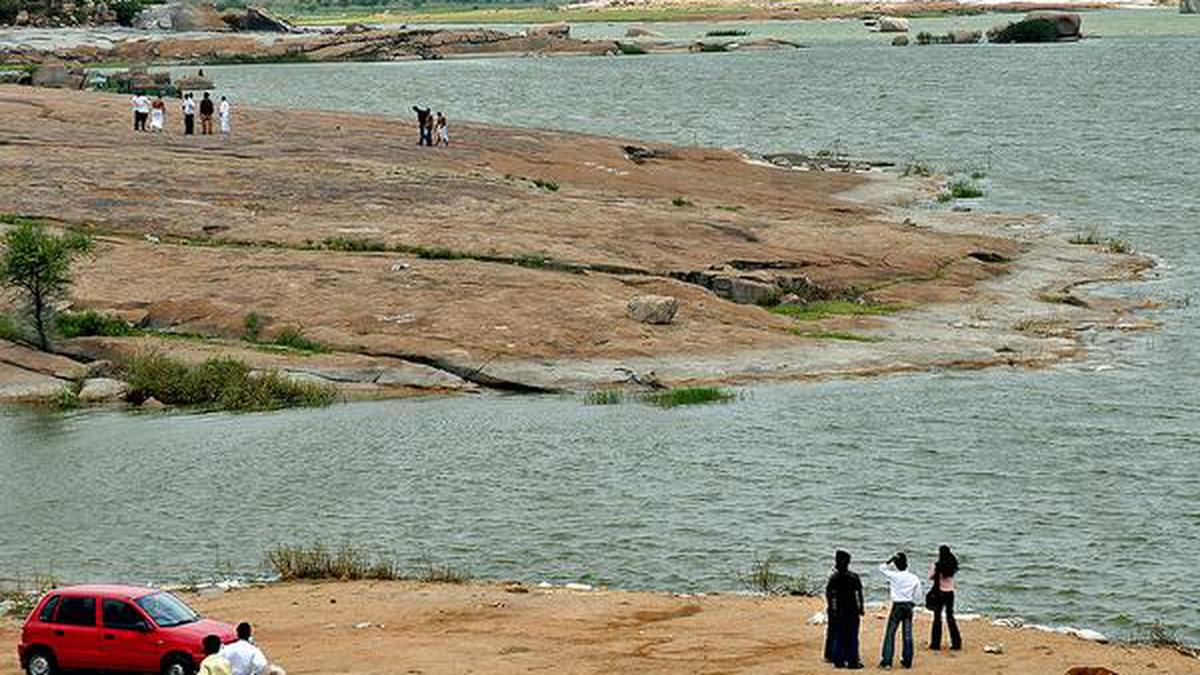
[[221, 383], [823, 309], [678, 396], [547, 185], [706, 47], [917, 169], [252, 327], [11, 329], [83, 324], [680, 202]]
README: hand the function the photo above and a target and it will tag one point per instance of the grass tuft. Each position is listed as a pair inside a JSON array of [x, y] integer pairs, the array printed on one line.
[[763, 577], [352, 244], [835, 335], [960, 189], [814, 311], [605, 397], [292, 338], [920, 169], [679, 396], [680, 202], [12, 330], [316, 561], [727, 32], [544, 184], [1092, 237]]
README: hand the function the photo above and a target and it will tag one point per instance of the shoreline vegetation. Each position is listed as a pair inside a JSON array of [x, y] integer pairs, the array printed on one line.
[[670, 294], [440, 617]]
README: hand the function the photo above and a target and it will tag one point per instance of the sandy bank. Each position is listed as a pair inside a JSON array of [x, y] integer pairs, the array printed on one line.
[[414, 628], [513, 254]]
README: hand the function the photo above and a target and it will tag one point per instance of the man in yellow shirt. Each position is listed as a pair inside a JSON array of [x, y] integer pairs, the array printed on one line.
[[214, 663]]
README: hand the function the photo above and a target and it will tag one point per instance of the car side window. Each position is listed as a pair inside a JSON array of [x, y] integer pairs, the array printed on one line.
[[77, 611], [119, 614], [47, 612]]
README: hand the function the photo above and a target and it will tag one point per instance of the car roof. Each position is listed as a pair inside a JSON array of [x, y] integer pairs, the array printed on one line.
[[115, 591]]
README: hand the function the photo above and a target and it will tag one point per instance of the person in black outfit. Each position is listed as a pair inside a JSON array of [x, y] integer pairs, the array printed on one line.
[[425, 124], [206, 115], [844, 601], [942, 575]]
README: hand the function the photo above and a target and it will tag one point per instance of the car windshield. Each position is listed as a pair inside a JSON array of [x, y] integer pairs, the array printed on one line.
[[167, 610]]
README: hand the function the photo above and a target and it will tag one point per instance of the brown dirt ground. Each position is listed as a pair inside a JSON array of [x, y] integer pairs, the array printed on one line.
[[286, 178], [482, 628]]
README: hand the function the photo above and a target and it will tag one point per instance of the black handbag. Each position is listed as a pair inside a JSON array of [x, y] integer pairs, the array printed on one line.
[[933, 599]]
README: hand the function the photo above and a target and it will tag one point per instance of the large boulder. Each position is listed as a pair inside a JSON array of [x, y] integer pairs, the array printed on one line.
[[745, 291], [180, 17], [1069, 25], [892, 24], [102, 389], [556, 30], [1040, 27], [258, 19], [657, 309]]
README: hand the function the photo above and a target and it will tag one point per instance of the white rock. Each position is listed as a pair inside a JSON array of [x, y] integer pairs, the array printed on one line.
[[818, 619], [1009, 622], [99, 389], [364, 624], [997, 648], [545, 584], [578, 587]]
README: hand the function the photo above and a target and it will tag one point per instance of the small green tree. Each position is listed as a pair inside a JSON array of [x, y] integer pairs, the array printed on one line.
[[38, 264]]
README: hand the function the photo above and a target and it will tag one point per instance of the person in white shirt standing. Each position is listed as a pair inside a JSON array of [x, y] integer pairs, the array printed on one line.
[[905, 589], [244, 657], [141, 112], [223, 113]]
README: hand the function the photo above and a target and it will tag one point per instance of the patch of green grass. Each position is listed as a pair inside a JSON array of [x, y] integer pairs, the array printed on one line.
[[293, 338], [89, 323], [1092, 237], [548, 185], [680, 202], [67, 398], [823, 309], [431, 252], [835, 335], [316, 561], [218, 383], [605, 397], [732, 208], [679, 396], [961, 188], [727, 32], [432, 573]]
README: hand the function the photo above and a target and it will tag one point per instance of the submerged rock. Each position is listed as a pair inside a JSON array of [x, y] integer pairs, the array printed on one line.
[[640, 31], [654, 309], [900, 41], [1040, 27]]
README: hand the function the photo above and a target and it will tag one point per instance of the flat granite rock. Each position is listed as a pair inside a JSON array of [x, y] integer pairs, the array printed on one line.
[[18, 384]]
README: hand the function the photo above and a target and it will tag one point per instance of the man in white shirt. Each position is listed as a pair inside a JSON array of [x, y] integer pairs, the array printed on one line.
[[141, 112], [189, 115], [905, 589], [244, 657]]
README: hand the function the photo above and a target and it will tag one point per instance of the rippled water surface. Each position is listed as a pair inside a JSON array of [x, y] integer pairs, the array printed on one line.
[[1072, 494]]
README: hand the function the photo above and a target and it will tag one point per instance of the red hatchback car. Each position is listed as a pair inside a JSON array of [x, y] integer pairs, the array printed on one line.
[[115, 628]]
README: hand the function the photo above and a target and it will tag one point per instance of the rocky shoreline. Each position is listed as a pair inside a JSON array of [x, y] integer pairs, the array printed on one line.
[[509, 262]]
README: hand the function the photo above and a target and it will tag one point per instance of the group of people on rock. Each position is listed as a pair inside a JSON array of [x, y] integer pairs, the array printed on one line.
[[844, 604], [433, 129], [241, 657], [150, 115]]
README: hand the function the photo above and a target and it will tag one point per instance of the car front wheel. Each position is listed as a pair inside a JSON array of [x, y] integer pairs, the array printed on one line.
[[178, 664], [41, 663]]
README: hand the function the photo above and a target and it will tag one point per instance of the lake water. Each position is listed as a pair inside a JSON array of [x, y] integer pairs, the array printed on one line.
[[1071, 494]]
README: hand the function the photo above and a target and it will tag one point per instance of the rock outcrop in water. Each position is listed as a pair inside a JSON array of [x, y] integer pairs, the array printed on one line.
[[1040, 27]]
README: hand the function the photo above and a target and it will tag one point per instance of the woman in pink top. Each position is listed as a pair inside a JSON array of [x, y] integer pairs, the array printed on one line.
[[942, 573]]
